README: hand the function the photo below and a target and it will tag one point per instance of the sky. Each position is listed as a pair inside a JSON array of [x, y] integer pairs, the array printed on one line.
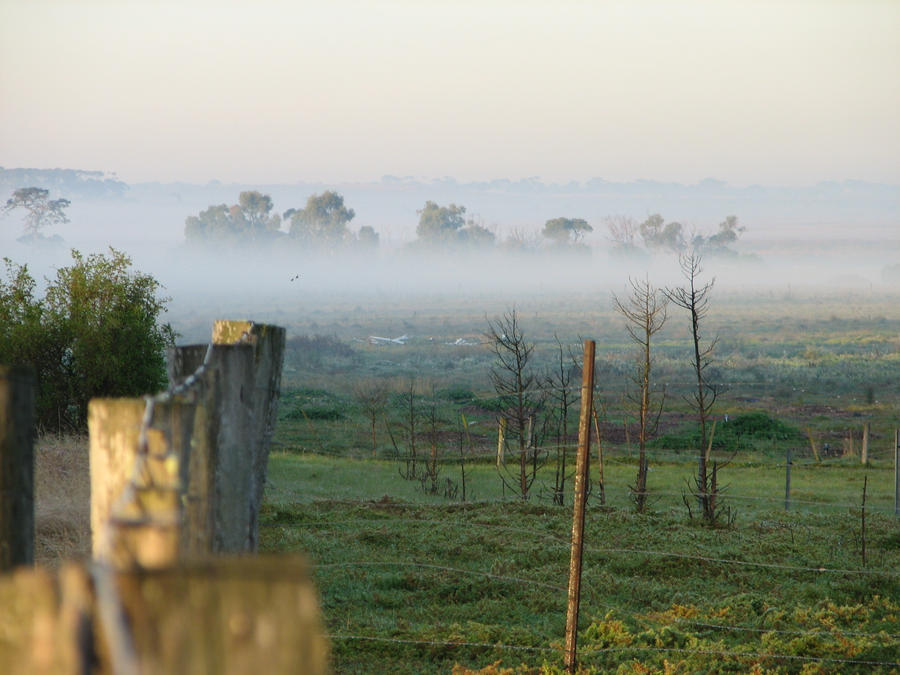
[[776, 93]]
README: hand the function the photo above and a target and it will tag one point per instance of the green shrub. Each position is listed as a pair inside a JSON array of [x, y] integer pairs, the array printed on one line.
[[314, 413], [456, 394], [96, 332], [739, 433]]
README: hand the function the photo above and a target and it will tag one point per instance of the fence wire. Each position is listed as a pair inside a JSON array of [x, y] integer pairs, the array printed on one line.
[[607, 650]]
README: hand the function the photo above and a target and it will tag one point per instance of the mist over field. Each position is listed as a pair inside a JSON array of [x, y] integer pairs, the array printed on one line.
[[783, 249]]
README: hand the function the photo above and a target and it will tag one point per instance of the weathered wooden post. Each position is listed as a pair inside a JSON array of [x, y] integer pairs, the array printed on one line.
[[501, 440], [183, 361], [897, 472], [16, 467], [149, 516], [268, 344], [864, 451], [787, 481], [224, 615], [581, 472], [602, 483], [114, 425]]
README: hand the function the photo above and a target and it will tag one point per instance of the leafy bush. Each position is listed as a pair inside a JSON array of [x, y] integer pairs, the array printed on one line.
[[456, 394], [740, 432], [759, 426], [314, 404], [96, 332], [314, 413]]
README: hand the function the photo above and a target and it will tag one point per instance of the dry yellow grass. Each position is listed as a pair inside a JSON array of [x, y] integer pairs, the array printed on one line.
[[62, 500]]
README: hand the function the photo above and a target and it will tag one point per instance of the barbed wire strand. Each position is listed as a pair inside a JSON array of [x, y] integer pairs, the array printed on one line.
[[748, 629], [589, 650], [712, 652], [442, 568]]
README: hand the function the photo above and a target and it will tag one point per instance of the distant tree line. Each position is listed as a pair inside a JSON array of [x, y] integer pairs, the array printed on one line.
[[657, 235], [321, 224]]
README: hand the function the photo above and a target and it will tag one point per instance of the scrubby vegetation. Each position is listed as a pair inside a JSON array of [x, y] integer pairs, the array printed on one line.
[[414, 579], [97, 331]]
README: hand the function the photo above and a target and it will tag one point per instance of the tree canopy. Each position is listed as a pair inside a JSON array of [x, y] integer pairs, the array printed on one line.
[[324, 220], [40, 210], [717, 244], [565, 231], [249, 220], [443, 225], [96, 332], [659, 235]]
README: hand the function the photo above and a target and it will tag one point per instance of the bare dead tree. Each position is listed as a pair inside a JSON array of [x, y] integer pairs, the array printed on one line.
[[517, 388], [623, 231], [371, 396], [431, 473], [409, 424], [645, 314], [694, 297], [558, 385]]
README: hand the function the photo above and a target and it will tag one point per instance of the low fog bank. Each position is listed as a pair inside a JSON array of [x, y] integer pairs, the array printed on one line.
[[285, 274], [106, 210], [362, 293]]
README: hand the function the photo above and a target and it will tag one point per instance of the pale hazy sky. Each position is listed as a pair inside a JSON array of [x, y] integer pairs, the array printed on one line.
[[273, 92]]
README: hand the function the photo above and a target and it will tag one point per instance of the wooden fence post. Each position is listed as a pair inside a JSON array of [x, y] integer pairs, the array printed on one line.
[[897, 472], [114, 426], [148, 520], [501, 440], [602, 483], [183, 361], [864, 451], [581, 472], [229, 434], [224, 615], [787, 481], [268, 356], [16, 467]]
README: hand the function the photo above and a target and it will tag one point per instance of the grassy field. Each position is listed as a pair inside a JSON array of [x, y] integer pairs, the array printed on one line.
[[411, 583], [414, 579]]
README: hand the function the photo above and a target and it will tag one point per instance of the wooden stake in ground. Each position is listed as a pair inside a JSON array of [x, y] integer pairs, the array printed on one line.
[[16, 467], [599, 459], [864, 451], [862, 529], [812, 444], [501, 440], [897, 472], [581, 469], [787, 482]]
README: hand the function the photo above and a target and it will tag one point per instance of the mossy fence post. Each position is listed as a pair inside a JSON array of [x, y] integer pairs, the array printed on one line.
[[16, 467]]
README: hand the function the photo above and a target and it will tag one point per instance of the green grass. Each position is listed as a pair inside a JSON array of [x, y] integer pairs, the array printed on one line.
[[410, 569], [429, 580]]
